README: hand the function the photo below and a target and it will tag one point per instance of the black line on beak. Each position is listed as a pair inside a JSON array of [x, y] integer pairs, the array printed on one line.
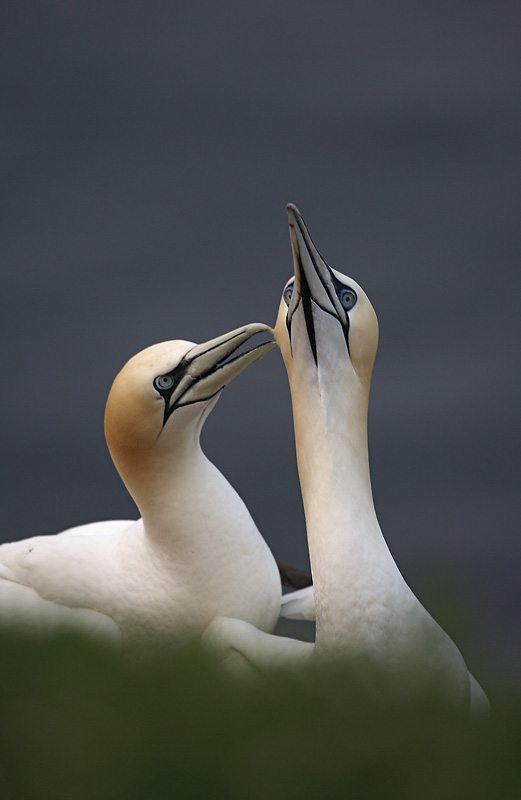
[[305, 295], [337, 285]]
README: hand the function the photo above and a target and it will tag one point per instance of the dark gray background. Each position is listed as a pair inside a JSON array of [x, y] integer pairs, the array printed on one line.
[[148, 152]]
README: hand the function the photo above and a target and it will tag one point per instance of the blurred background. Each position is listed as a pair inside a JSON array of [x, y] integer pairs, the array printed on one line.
[[148, 153]]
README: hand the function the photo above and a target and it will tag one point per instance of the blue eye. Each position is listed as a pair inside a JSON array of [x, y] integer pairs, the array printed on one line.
[[163, 382], [347, 298], [288, 294]]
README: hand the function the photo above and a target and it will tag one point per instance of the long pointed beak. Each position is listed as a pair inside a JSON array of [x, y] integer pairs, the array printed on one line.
[[313, 276], [207, 369]]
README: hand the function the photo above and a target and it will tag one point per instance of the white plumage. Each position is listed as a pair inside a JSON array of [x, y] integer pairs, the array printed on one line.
[[195, 553], [327, 331]]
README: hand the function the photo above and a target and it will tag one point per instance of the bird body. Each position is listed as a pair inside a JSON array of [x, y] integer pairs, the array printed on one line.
[[194, 554], [363, 605], [327, 332]]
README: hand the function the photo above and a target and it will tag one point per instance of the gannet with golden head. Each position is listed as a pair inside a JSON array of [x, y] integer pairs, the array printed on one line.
[[195, 553], [327, 332]]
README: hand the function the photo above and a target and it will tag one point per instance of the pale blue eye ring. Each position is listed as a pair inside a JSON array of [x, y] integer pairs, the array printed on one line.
[[163, 382], [288, 294], [347, 298]]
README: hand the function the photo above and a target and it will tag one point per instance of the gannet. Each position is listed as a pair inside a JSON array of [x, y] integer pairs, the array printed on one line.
[[194, 554], [327, 332]]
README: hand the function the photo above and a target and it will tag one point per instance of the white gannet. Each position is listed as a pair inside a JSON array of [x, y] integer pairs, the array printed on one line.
[[195, 553], [327, 331]]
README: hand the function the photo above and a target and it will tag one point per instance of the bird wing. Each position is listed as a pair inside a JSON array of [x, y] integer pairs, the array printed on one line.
[[46, 581], [51, 563], [22, 610]]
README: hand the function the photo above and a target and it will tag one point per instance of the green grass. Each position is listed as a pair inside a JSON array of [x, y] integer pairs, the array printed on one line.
[[77, 723]]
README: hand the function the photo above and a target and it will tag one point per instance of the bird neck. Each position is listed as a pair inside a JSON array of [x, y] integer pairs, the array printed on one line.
[[344, 537], [170, 486], [191, 514], [331, 440]]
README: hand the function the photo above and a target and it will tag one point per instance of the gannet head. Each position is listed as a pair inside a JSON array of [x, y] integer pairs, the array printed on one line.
[[325, 321], [164, 393]]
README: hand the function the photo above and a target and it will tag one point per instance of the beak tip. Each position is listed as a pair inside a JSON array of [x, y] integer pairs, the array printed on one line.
[[258, 352], [258, 327], [293, 213]]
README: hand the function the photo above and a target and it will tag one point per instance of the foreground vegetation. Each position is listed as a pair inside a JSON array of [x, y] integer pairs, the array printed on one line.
[[77, 723]]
